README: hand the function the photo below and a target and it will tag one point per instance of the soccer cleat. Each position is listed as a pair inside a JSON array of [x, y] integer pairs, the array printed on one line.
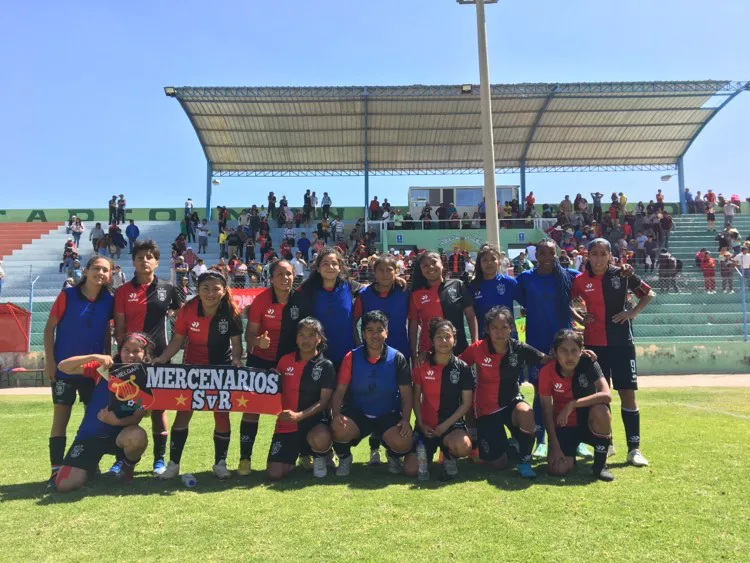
[[375, 458], [319, 467], [306, 462], [172, 471], [611, 450], [345, 466], [636, 459], [583, 452], [115, 470], [125, 475], [221, 471], [540, 452], [525, 471], [159, 467], [52, 478], [450, 467], [604, 474], [244, 468], [394, 465]]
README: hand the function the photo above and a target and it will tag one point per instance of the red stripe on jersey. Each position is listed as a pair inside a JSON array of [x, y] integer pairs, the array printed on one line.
[[424, 305], [195, 328], [430, 378], [266, 312], [559, 388], [487, 394], [291, 372]]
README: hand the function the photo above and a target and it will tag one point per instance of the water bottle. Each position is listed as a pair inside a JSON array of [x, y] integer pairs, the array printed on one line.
[[189, 480], [423, 472]]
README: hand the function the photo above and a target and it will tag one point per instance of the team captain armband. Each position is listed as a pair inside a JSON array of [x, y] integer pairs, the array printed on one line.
[[194, 388]]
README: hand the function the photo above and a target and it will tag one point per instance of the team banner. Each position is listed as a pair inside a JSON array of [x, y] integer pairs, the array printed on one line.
[[243, 297], [197, 388]]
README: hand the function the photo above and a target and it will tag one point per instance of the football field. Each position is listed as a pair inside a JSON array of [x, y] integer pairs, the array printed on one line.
[[691, 504]]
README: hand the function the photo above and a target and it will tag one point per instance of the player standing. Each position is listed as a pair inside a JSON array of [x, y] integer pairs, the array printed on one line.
[[608, 332]]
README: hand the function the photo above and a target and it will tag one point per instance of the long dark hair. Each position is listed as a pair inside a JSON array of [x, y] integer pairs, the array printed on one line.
[[315, 324], [563, 280], [227, 300], [597, 242], [418, 281], [486, 250], [315, 280], [94, 258]]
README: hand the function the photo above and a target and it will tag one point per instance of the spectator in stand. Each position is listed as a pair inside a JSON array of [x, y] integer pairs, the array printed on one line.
[[521, 263], [324, 230], [339, 234], [326, 203], [95, 236], [596, 199], [708, 265], [181, 270], [117, 241], [190, 257], [700, 204], [659, 200], [530, 200], [667, 225], [298, 265], [288, 235], [303, 245], [387, 206], [710, 197], [710, 218], [249, 249], [649, 247], [730, 209], [132, 232], [121, 210], [233, 242], [314, 203], [374, 209], [118, 277], [112, 210], [76, 273], [398, 219], [197, 270], [203, 234], [77, 229], [307, 205], [188, 207], [271, 206], [743, 260], [689, 201], [223, 243], [456, 263], [667, 272], [727, 265]]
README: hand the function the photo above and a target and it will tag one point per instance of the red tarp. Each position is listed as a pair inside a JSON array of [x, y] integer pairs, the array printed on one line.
[[15, 328]]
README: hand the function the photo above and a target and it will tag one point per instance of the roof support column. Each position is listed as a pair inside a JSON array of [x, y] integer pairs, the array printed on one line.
[[522, 198], [681, 186], [366, 161], [209, 178]]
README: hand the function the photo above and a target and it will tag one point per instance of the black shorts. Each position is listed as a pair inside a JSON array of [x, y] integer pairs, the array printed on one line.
[[64, 391], [570, 436], [287, 447], [618, 364], [86, 453], [432, 444], [493, 441], [377, 426], [254, 361]]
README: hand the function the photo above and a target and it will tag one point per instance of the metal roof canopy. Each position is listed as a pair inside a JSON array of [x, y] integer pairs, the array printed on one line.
[[397, 130]]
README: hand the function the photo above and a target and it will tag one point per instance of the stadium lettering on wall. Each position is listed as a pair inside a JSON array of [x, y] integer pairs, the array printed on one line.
[[193, 388]]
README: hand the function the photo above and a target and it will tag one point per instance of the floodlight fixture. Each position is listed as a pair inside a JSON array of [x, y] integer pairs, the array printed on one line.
[[467, 88], [170, 91]]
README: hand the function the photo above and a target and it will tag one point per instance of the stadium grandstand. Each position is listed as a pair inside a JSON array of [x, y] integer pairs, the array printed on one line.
[[410, 130]]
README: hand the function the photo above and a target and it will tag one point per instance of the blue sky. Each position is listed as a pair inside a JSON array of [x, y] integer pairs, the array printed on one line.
[[83, 112]]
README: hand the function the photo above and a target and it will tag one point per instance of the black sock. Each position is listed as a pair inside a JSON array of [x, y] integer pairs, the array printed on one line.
[[56, 451], [177, 444], [160, 444], [342, 449], [221, 446], [323, 454], [538, 417], [446, 453], [374, 443], [248, 432], [601, 445], [524, 445], [130, 462], [632, 422]]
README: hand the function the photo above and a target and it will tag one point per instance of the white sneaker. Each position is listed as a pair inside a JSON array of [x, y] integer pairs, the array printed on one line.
[[450, 467], [394, 465], [375, 457], [172, 471], [345, 466], [319, 467], [636, 459], [732, 291], [611, 450], [221, 471]]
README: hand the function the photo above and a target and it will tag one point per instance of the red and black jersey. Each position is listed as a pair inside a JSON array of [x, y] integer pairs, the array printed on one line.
[[208, 338], [266, 311], [145, 308], [301, 384], [605, 296], [442, 387], [566, 389], [499, 373], [448, 301]]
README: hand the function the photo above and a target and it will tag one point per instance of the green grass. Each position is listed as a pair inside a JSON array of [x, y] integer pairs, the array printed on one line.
[[691, 504]]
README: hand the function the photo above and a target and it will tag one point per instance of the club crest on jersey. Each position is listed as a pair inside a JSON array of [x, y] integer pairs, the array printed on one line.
[[452, 293], [317, 371], [477, 295], [76, 450], [501, 289], [59, 388], [223, 326], [454, 376], [615, 282], [582, 381], [275, 447], [294, 312], [161, 293], [513, 359]]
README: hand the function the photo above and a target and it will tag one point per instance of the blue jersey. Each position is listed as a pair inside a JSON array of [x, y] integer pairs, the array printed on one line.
[[395, 305], [499, 291], [82, 326], [545, 314], [91, 426], [374, 387], [334, 310]]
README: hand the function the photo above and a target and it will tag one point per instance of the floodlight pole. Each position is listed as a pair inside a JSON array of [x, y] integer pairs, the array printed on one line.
[[488, 142], [681, 186], [209, 178]]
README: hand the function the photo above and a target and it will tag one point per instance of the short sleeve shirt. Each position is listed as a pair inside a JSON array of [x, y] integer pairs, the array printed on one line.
[[208, 338]]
